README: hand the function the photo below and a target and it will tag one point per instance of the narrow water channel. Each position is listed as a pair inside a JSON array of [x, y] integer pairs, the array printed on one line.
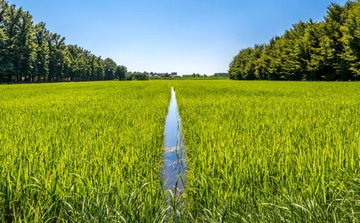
[[174, 156]]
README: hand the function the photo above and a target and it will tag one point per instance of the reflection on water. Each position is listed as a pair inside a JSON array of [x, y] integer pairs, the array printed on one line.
[[174, 157]]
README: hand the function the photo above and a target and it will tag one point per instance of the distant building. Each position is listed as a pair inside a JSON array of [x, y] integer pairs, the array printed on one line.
[[172, 74]]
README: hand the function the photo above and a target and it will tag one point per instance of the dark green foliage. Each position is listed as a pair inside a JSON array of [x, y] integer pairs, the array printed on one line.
[[30, 53], [137, 76], [120, 72], [221, 74], [110, 68], [328, 50], [351, 41]]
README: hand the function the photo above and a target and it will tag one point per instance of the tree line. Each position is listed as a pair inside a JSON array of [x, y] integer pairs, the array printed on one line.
[[328, 50], [136, 76], [31, 53]]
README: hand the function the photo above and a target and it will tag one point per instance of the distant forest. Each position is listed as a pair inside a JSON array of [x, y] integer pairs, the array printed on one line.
[[328, 50], [31, 53]]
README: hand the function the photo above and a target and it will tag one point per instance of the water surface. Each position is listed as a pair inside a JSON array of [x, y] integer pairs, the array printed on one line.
[[174, 157]]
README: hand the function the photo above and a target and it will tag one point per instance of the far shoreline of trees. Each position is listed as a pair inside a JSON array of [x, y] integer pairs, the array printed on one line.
[[315, 51]]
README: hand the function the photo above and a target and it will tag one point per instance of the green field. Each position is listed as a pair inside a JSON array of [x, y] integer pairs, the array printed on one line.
[[82, 152], [271, 151], [256, 151]]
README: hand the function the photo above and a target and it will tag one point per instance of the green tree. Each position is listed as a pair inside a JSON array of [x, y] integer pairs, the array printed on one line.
[[315, 65], [5, 62], [253, 60], [92, 63], [40, 64], [5, 57], [99, 69], [238, 64], [110, 68], [326, 50], [331, 45], [351, 41], [120, 72], [31, 53], [57, 54], [11, 24], [26, 45], [294, 54]]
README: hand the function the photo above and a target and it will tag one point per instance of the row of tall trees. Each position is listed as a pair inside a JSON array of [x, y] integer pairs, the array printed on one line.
[[327, 50], [31, 53]]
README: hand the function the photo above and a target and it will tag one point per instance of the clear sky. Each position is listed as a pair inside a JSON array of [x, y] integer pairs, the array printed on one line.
[[183, 36]]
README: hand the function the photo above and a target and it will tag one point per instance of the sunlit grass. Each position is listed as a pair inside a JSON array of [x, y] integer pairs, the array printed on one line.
[[255, 152], [82, 152], [271, 151]]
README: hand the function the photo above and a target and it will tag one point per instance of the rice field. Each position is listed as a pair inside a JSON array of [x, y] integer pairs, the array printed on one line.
[[82, 152], [271, 151], [255, 152]]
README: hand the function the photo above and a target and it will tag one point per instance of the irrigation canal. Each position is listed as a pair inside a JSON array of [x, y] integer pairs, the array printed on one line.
[[174, 150]]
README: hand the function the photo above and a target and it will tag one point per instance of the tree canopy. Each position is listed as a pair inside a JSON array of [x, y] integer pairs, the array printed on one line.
[[327, 50], [31, 53]]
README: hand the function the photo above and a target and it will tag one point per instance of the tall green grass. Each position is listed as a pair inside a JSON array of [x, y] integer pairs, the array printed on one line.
[[256, 152], [82, 152], [271, 151]]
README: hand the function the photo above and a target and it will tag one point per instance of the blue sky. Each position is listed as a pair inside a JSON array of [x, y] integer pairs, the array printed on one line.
[[184, 36]]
